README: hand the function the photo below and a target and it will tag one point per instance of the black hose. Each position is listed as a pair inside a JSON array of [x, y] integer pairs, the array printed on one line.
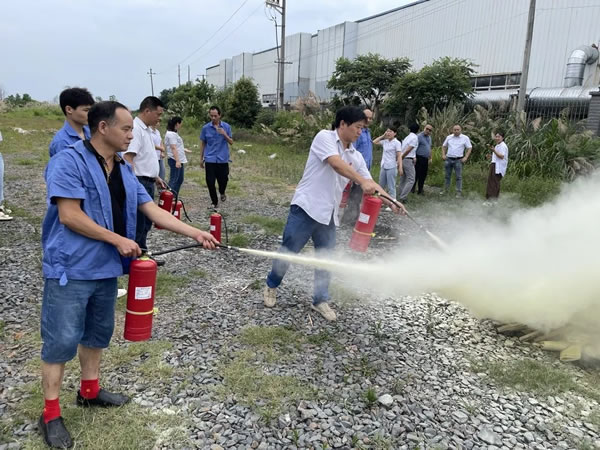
[[184, 247]]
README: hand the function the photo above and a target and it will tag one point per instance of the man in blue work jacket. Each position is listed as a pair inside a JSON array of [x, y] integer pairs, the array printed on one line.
[[75, 104], [87, 238]]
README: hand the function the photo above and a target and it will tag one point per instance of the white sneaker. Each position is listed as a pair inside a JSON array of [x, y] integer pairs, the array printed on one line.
[[4, 216], [387, 208], [324, 309], [269, 296], [5, 210]]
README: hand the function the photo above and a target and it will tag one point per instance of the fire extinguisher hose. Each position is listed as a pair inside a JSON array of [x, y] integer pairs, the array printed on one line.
[[441, 244], [185, 247]]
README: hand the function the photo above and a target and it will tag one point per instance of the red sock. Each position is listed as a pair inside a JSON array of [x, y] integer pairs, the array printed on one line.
[[89, 388], [51, 409]]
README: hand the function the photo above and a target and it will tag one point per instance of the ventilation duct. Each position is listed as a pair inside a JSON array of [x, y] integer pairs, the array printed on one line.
[[579, 58]]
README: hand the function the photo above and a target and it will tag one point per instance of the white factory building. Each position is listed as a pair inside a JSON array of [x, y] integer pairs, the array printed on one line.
[[490, 33]]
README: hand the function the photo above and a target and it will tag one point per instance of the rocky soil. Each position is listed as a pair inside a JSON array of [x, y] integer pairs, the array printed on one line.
[[395, 373]]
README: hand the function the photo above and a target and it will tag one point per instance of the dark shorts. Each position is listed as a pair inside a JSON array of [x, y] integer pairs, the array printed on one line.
[[81, 312]]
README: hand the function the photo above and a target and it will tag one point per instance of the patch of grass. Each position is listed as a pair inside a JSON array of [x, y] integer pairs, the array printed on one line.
[[145, 358], [528, 375], [256, 284], [130, 426], [2, 328], [29, 217], [239, 240], [370, 397], [27, 162], [269, 224], [267, 393], [269, 337], [168, 283], [197, 273]]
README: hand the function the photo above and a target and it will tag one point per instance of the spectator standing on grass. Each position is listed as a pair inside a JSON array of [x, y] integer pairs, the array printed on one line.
[[498, 165], [160, 150], [176, 153], [391, 160], [141, 154], [409, 153], [364, 146], [75, 104], [4, 211], [215, 139], [87, 239], [332, 162], [456, 150], [424, 157]]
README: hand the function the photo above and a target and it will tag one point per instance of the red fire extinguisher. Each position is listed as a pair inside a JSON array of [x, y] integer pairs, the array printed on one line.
[[177, 209], [165, 201], [140, 299], [346, 195], [215, 225], [363, 230]]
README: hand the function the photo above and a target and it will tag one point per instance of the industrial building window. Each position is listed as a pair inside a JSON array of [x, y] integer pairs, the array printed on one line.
[[500, 81]]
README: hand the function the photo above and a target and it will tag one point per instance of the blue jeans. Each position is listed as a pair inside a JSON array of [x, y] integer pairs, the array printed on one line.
[[161, 168], [300, 227], [1, 179], [80, 312], [387, 180], [175, 176], [456, 164], [144, 224]]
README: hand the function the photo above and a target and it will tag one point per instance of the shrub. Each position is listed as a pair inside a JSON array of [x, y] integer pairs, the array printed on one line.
[[244, 105], [266, 116]]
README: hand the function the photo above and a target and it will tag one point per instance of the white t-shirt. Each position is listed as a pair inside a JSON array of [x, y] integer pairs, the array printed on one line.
[[390, 150], [410, 141], [501, 164], [320, 190], [457, 145], [156, 138], [173, 138], [142, 145]]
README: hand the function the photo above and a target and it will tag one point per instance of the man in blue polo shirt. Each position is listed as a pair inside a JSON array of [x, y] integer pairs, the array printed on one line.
[[215, 140], [75, 104], [87, 238]]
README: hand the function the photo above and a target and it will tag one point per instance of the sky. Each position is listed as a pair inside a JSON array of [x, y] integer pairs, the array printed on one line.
[[109, 46]]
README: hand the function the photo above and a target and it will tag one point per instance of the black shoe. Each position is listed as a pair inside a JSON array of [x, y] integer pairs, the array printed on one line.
[[223, 197], [213, 206], [159, 262], [55, 433], [104, 399]]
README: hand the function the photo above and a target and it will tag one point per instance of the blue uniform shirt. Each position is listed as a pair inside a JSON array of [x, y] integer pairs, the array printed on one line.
[[424, 148], [216, 148], [68, 255], [364, 144], [66, 137]]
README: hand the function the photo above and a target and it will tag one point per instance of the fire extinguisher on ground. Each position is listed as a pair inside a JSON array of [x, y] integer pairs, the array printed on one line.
[[140, 299], [346, 195], [215, 225], [363, 230], [165, 201]]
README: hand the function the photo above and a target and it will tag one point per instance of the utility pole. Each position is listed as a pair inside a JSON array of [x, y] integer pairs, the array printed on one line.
[[189, 78], [526, 56], [279, 6], [178, 75], [151, 80]]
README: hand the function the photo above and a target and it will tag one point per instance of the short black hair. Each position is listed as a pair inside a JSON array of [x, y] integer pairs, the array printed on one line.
[[216, 108], [413, 127], [103, 111], [350, 115], [75, 97], [394, 128], [172, 122], [500, 132], [151, 103]]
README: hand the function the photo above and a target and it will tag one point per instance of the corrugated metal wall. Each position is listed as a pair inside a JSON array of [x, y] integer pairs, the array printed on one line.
[[491, 33]]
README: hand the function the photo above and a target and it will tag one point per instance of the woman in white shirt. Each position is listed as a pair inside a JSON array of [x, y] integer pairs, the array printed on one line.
[[498, 164], [391, 160], [175, 152]]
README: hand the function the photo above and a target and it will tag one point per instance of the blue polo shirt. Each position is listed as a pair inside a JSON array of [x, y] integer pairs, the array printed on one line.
[[424, 148], [68, 255], [65, 137], [364, 144], [216, 148]]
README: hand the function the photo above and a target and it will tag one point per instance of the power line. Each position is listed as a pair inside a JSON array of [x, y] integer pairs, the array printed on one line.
[[213, 34]]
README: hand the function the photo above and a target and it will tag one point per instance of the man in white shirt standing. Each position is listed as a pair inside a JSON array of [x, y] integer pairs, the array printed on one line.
[[141, 154], [409, 153], [332, 162], [499, 162], [456, 150]]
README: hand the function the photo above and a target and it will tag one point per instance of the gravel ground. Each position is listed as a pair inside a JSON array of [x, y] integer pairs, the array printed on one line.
[[389, 373]]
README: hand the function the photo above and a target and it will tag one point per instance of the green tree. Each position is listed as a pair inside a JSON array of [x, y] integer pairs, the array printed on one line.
[[190, 99], [166, 95], [244, 106], [367, 77], [18, 100], [445, 81]]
